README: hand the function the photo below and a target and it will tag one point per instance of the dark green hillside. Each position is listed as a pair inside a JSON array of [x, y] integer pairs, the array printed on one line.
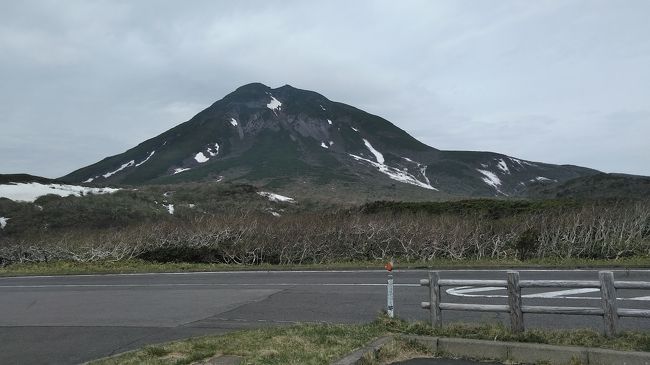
[[597, 186]]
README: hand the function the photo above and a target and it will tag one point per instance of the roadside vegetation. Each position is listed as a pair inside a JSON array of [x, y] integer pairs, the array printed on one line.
[[325, 343], [222, 226]]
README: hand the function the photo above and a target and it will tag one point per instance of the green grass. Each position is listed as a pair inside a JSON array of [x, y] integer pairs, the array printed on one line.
[[138, 266], [299, 344], [323, 343]]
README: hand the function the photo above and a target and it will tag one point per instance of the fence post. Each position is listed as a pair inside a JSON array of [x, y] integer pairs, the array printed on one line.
[[514, 302], [608, 302], [434, 299]]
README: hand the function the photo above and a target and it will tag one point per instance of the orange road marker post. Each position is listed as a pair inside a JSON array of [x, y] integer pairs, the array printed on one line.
[[390, 308]]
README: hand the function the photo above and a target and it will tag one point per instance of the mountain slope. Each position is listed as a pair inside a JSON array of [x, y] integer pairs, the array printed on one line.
[[287, 137], [596, 186]]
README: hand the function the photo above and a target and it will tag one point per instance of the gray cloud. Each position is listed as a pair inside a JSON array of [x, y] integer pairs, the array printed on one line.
[[553, 81]]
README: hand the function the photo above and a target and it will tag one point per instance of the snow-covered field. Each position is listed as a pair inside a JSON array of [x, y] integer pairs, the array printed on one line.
[[28, 192]]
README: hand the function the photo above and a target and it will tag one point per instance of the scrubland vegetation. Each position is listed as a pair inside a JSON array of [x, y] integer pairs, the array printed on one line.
[[234, 226]]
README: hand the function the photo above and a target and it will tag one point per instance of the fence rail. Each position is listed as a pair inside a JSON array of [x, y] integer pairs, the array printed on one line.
[[608, 309]]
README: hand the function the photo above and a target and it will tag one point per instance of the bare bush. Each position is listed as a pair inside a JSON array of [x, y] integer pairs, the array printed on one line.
[[591, 231]]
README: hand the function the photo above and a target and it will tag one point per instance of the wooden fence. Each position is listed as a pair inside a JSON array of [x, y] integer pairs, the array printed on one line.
[[608, 310]]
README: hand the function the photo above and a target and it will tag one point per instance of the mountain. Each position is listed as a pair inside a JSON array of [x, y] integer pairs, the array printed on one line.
[[300, 141], [596, 186]]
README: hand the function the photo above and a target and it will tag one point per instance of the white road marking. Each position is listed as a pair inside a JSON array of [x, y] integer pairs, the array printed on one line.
[[470, 289], [463, 291], [561, 293], [641, 298]]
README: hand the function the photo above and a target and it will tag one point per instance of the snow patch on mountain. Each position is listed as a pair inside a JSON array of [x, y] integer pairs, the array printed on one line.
[[322, 107], [378, 155], [274, 104], [491, 179], [216, 152], [542, 179], [28, 192], [322, 144], [503, 166], [128, 164], [89, 180], [178, 170], [146, 159], [331, 143], [395, 174], [354, 129], [201, 158], [521, 162], [329, 122], [423, 171], [170, 208], [3, 222], [233, 121], [275, 197]]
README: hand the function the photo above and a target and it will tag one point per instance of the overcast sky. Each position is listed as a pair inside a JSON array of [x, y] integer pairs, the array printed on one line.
[[563, 81]]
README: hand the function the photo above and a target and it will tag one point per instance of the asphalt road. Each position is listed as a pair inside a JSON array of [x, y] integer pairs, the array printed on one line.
[[72, 319]]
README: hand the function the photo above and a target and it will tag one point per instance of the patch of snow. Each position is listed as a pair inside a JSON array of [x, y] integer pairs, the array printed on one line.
[[233, 122], [220, 178], [329, 122], [216, 152], [128, 164], [423, 171], [322, 144], [503, 166], [378, 155], [170, 208], [180, 169], [491, 179], [146, 159], [331, 143], [521, 162], [395, 174], [200, 158], [516, 160], [409, 160], [276, 197], [164, 143], [542, 178], [274, 104], [354, 129], [484, 165], [274, 213], [29, 192], [3, 222], [88, 180], [322, 107], [191, 205]]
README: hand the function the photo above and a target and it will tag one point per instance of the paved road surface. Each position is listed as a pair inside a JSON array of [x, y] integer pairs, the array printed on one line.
[[71, 319]]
